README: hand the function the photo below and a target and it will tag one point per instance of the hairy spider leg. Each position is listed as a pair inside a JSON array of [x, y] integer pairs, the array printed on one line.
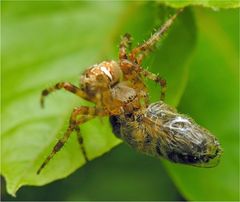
[[138, 53], [159, 80], [132, 72], [80, 141], [65, 85], [85, 113], [124, 44]]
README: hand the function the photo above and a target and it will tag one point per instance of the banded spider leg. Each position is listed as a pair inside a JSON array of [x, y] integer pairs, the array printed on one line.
[[79, 116]]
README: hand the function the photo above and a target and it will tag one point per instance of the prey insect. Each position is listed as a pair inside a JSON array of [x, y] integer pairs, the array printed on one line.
[[160, 131], [118, 91]]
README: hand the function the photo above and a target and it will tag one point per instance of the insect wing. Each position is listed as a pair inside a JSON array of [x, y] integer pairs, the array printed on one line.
[[179, 139]]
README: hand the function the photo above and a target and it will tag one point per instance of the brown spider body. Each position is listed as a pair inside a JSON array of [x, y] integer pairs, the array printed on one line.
[[160, 131], [98, 80], [103, 75], [106, 85], [115, 87]]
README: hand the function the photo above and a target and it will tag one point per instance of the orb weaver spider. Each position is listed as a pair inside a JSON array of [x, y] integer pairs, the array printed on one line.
[[115, 87]]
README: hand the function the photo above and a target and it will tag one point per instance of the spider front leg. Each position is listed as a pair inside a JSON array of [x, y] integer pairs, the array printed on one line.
[[85, 113], [159, 80], [138, 53], [132, 71], [65, 85], [124, 44]]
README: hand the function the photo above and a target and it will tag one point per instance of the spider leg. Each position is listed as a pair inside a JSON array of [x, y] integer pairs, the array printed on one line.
[[57, 147], [65, 85], [132, 72], [85, 113], [125, 42], [159, 80], [138, 53], [80, 141]]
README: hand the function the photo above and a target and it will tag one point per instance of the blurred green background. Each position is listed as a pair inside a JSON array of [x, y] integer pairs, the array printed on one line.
[[47, 42]]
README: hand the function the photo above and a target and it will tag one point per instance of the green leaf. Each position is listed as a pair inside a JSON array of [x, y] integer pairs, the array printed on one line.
[[214, 4], [47, 42], [212, 99]]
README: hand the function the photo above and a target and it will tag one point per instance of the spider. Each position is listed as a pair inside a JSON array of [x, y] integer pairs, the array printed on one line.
[[115, 87]]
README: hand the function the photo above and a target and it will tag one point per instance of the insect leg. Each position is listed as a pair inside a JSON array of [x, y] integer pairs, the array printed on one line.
[[159, 80], [65, 85], [85, 113], [125, 42], [149, 44]]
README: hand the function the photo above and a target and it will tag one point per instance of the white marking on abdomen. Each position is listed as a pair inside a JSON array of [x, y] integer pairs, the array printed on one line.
[[106, 71]]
